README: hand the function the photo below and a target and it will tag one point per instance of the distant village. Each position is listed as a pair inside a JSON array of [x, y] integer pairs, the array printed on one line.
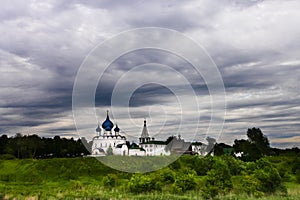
[[109, 141]]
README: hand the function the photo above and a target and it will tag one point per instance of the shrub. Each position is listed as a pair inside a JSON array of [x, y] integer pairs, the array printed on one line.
[[141, 183], [268, 176], [203, 165], [185, 180], [296, 165], [166, 175], [251, 186], [218, 180], [7, 157], [235, 166], [109, 180]]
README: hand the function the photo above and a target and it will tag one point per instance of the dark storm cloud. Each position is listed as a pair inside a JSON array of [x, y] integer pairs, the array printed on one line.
[[255, 45]]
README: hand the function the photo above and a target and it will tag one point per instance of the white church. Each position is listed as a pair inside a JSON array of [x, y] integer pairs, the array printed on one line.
[[109, 141]]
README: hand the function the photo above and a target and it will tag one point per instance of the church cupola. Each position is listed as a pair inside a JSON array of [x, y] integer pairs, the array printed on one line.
[[107, 124], [117, 130], [98, 130]]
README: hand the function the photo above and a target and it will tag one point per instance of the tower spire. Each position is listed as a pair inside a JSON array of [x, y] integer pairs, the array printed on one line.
[[145, 135]]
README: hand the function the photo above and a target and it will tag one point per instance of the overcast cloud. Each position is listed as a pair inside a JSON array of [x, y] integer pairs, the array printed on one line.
[[254, 43]]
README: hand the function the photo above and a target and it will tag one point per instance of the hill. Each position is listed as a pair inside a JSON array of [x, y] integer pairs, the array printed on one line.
[[190, 177]]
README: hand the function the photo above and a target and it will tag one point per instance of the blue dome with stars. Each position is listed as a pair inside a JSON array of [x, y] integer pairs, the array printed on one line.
[[107, 124]]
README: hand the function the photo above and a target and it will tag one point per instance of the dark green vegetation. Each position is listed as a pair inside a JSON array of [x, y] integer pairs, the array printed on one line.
[[190, 177], [256, 146], [32, 146]]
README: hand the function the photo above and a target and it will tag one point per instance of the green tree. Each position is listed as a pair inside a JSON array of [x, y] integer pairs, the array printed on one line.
[[185, 180], [266, 177], [141, 183], [256, 137], [256, 146], [3, 143], [218, 180]]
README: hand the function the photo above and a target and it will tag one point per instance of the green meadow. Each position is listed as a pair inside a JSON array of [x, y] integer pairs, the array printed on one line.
[[190, 177]]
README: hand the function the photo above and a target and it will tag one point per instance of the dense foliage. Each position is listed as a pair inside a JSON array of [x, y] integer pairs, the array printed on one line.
[[32, 146], [256, 146]]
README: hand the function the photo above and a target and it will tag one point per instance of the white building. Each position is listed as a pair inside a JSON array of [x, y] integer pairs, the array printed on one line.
[[109, 143], [151, 146]]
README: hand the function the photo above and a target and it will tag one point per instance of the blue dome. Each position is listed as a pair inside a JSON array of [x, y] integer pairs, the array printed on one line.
[[108, 128], [117, 129], [107, 124], [98, 129]]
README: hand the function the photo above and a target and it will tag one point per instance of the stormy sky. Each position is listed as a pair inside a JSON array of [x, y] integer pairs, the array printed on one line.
[[255, 44]]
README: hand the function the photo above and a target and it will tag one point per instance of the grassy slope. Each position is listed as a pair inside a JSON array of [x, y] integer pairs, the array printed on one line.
[[79, 177]]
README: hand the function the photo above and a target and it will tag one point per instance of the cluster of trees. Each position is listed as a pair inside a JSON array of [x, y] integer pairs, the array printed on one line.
[[33, 146], [256, 146]]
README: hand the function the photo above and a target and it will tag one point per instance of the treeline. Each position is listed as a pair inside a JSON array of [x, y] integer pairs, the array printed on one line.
[[33, 146], [253, 148], [256, 146]]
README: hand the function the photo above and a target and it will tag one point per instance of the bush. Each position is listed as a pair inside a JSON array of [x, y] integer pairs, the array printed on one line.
[[296, 165], [141, 183], [167, 175], [185, 180], [7, 157], [218, 180], [251, 186], [235, 166], [109, 180], [203, 165], [268, 176]]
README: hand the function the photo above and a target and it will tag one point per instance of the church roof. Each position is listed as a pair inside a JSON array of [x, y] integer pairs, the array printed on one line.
[[155, 142], [134, 146]]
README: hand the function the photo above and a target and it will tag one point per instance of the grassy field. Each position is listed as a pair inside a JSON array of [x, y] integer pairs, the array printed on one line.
[[87, 178], [74, 190]]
